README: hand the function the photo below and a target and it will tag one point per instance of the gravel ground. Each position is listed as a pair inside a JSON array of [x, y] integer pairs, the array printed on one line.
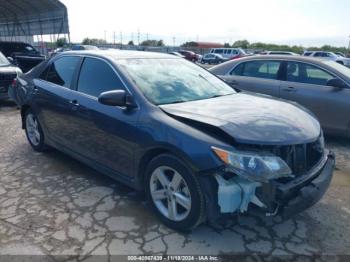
[[52, 205]]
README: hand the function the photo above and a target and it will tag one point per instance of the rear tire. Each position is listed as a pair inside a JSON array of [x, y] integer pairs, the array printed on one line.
[[34, 131], [174, 193]]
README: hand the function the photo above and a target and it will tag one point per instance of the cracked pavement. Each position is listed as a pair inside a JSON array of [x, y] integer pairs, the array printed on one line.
[[50, 204]]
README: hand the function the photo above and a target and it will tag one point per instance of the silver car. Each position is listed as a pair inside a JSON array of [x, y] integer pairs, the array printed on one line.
[[328, 56], [322, 86]]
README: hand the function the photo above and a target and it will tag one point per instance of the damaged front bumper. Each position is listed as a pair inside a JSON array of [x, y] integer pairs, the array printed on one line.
[[234, 194], [300, 194]]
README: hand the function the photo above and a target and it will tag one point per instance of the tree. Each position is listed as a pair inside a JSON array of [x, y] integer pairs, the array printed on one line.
[[131, 43], [93, 41], [190, 44], [152, 43], [61, 42], [241, 43], [227, 45]]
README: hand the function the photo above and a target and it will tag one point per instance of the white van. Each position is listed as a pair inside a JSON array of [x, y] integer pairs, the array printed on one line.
[[229, 52]]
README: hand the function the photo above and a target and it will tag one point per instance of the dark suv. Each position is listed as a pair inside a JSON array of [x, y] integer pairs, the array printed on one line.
[[22, 54]]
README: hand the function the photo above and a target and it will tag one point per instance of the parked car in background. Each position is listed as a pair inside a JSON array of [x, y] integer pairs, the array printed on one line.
[[177, 54], [84, 47], [59, 50], [23, 55], [212, 58], [328, 56], [322, 86], [8, 72], [189, 55], [166, 126], [278, 53], [340, 54], [229, 53]]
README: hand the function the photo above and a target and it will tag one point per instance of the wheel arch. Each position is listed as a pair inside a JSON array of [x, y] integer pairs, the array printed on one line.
[[155, 152]]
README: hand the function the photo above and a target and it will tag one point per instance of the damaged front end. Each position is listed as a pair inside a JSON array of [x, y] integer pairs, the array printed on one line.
[[282, 180]]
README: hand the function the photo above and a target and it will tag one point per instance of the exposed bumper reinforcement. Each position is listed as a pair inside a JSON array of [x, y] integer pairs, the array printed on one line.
[[311, 193]]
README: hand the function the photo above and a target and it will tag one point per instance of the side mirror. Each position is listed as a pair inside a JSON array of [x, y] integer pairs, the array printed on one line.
[[337, 83], [10, 59], [116, 98]]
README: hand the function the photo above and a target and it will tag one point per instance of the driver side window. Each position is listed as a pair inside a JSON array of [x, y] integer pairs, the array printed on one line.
[[307, 74], [96, 77]]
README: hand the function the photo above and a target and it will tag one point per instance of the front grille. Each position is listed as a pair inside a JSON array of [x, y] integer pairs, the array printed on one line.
[[300, 158]]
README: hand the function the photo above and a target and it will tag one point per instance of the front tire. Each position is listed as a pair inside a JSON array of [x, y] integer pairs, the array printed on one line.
[[34, 131], [174, 193]]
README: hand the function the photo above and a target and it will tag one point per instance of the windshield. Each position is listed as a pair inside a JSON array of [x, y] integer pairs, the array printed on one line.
[[167, 81], [342, 69], [3, 60]]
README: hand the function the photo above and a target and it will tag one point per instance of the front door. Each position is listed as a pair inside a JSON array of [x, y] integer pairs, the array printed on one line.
[[307, 85], [105, 134]]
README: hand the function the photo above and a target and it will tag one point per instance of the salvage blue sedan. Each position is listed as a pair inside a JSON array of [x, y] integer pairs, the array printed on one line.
[[164, 125]]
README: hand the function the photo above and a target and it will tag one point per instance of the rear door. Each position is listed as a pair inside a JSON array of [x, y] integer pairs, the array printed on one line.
[[52, 99], [258, 76], [307, 85], [105, 134]]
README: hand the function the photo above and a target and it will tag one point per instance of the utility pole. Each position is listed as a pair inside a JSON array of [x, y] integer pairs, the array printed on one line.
[[174, 41], [106, 36], [114, 37], [138, 36], [147, 36]]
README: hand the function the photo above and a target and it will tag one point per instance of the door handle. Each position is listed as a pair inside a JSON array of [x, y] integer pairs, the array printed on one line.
[[289, 89], [74, 103], [35, 90]]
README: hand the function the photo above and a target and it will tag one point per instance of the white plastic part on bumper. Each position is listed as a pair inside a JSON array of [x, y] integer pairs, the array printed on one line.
[[236, 193]]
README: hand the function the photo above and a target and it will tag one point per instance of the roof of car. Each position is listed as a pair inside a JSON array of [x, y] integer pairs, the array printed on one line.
[[120, 54]]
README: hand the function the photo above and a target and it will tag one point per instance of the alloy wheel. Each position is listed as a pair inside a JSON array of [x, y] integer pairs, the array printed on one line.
[[170, 193], [32, 128]]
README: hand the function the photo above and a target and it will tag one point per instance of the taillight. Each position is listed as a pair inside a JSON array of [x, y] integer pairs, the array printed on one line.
[[14, 82]]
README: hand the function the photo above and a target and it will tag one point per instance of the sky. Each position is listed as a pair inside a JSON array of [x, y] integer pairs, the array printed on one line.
[[299, 22]]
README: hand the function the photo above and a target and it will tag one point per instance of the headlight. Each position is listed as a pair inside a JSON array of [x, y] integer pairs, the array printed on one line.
[[254, 166]]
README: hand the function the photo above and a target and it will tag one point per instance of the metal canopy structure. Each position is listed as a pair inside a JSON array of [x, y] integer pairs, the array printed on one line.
[[32, 17]]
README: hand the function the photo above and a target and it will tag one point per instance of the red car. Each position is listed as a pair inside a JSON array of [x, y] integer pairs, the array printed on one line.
[[189, 55]]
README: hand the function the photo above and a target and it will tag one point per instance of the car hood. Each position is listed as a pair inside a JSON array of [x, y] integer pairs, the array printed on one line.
[[251, 119]]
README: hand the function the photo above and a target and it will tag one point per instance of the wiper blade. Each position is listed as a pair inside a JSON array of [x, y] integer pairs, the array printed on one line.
[[219, 95], [176, 102]]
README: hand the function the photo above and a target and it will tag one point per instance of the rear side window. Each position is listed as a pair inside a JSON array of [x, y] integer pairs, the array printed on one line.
[[96, 77], [259, 69], [307, 74], [61, 71], [219, 51], [238, 70]]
